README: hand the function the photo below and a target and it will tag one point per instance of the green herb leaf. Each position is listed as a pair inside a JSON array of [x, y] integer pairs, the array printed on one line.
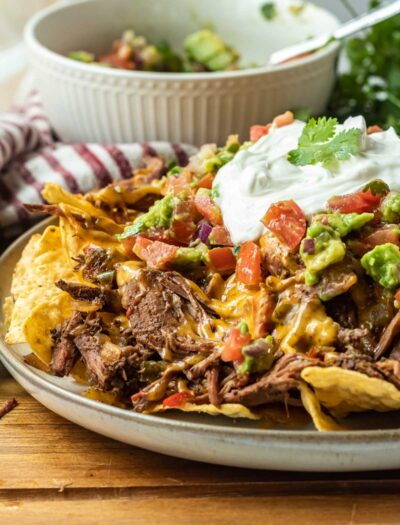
[[268, 10], [215, 192], [377, 187], [318, 143]]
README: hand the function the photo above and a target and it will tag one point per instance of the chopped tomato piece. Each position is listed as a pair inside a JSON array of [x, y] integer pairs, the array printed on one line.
[[176, 400], [182, 183], [397, 296], [359, 202], [284, 119], [222, 259], [116, 61], [248, 268], [233, 345], [219, 235], [207, 207], [140, 247], [257, 131], [287, 221], [128, 245], [156, 254], [183, 225], [374, 129], [206, 181]]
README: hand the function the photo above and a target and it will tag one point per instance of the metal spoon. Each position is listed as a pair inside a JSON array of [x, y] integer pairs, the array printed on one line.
[[349, 28]]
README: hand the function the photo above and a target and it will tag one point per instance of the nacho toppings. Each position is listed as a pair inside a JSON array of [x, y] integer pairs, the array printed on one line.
[[140, 291]]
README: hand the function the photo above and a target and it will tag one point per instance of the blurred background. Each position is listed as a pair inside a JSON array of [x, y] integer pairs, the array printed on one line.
[[15, 13]]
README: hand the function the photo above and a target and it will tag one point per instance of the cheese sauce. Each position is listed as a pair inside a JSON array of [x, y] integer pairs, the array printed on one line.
[[261, 175]]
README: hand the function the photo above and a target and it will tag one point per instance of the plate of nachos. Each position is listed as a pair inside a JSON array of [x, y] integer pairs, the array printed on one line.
[[242, 310]]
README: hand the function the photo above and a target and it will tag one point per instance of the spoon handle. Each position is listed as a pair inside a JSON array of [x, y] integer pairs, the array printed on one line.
[[367, 20], [349, 28]]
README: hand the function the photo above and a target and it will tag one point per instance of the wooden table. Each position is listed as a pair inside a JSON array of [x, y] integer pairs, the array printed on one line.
[[53, 472]]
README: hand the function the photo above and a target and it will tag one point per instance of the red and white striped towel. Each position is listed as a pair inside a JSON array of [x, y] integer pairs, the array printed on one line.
[[30, 157]]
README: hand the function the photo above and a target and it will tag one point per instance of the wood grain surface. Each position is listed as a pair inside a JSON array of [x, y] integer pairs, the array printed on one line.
[[53, 472]]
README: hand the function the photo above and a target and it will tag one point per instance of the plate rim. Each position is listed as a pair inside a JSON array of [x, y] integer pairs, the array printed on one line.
[[9, 360]]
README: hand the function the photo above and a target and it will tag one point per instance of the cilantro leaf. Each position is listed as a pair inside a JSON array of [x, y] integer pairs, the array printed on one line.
[[319, 130], [268, 10], [318, 143]]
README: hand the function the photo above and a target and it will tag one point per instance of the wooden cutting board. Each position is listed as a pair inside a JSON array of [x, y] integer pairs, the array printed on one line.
[[54, 472]]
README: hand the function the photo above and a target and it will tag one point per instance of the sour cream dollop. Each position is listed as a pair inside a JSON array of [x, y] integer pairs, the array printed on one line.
[[261, 175]]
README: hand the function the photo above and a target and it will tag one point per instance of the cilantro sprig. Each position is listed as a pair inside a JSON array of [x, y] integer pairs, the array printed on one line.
[[319, 142]]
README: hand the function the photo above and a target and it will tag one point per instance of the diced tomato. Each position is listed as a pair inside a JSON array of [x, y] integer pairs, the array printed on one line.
[[206, 181], [222, 259], [382, 236], [257, 131], [233, 345], [374, 129], [140, 247], [359, 202], [248, 268], [397, 296], [156, 254], [182, 183], [284, 119], [287, 221], [219, 235], [183, 224], [128, 245], [207, 207], [116, 61], [176, 400]]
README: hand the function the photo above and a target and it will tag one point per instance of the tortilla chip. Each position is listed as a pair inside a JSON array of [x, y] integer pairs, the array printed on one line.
[[108, 398], [322, 422], [54, 194], [42, 319], [8, 306], [344, 391], [24, 264], [232, 410], [33, 360], [43, 262]]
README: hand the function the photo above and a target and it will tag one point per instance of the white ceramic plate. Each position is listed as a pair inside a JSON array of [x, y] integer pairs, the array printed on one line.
[[204, 438]]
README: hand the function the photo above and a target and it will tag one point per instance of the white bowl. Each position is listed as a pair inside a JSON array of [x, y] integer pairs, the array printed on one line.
[[94, 103]]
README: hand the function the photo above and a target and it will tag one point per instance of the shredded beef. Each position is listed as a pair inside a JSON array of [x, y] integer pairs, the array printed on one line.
[[7, 406], [358, 361], [335, 281], [389, 334], [65, 352], [157, 304], [105, 298], [110, 367], [386, 369], [356, 338], [201, 368], [96, 261], [212, 386], [276, 384], [342, 310], [278, 259]]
